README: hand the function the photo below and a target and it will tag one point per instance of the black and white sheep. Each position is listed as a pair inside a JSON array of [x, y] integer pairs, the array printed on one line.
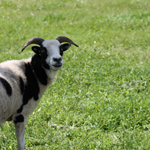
[[23, 82]]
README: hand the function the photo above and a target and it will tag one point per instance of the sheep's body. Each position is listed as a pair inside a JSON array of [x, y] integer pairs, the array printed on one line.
[[13, 72], [23, 82]]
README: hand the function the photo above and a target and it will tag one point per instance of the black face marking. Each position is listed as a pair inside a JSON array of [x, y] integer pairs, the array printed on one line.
[[19, 119], [42, 51], [6, 86], [43, 58], [21, 85], [61, 51]]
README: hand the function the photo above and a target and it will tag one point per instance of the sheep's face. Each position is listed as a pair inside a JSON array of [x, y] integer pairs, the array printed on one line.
[[51, 54]]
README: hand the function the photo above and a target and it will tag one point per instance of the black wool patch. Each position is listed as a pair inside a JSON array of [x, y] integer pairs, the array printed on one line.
[[38, 69], [33, 71], [6, 86], [21, 85], [31, 89], [20, 109], [19, 119]]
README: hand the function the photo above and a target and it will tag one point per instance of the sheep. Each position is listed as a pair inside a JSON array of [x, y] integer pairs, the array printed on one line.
[[23, 82]]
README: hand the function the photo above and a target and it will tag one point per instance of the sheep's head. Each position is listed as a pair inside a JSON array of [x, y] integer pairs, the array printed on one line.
[[51, 51]]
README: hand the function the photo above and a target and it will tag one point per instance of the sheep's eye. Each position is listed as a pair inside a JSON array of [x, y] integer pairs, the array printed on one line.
[[43, 51]]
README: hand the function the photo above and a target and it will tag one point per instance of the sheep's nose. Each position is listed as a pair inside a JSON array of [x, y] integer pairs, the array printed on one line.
[[57, 59]]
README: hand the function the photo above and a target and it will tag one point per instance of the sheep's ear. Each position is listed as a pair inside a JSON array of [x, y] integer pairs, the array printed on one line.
[[64, 47], [36, 49]]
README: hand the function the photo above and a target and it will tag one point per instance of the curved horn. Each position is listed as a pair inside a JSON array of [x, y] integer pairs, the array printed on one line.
[[65, 39], [33, 41]]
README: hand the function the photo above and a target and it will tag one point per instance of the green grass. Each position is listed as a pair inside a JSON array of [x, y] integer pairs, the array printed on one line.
[[100, 100]]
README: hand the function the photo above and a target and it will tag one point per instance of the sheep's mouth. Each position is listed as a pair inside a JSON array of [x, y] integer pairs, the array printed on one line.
[[57, 65]]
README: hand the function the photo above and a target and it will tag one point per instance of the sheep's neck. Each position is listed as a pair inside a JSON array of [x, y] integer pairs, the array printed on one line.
[[45, 76]]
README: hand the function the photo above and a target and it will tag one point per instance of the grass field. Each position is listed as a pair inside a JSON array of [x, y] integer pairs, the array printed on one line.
[[100, 100]]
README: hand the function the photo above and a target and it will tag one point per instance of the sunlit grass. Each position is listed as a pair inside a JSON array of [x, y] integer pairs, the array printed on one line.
[[100, 99]]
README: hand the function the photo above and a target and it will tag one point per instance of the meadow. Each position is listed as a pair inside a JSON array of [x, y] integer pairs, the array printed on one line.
[[100, 99]]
